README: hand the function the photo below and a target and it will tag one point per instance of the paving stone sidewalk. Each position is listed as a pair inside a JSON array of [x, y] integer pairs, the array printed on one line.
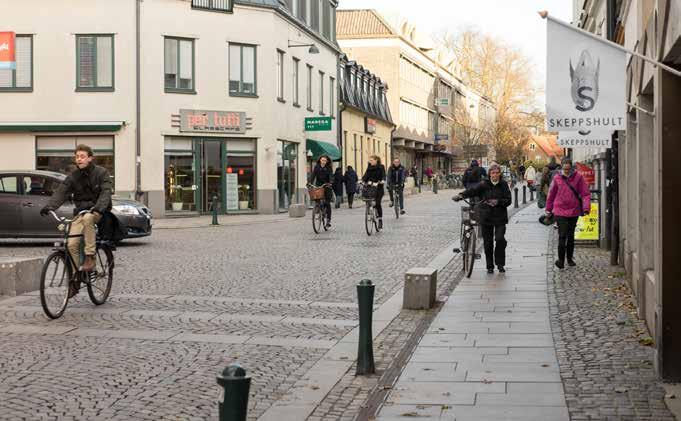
[[489, 354]]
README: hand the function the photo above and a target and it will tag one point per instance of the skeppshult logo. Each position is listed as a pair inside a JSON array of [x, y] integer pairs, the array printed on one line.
[[4, 46], [585, 82]]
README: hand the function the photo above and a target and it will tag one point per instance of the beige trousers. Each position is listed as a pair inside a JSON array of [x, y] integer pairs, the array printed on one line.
[[84, 224]]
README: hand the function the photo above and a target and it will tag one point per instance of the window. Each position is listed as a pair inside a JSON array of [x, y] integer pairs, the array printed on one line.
[[296, 81], [289, 4], [8, 184], [302, 10], [21, 78], [39, 186], [326, 18], [333, 24], [309, 88], [56, 153], [532, 146], [321, 92], [332, 97], [95, 62], [215, 5], [315, 14], [179, 65], [242, 70], [280, 75]]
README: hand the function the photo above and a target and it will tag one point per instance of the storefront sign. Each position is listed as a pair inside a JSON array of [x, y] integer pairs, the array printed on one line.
[[587, 226], [369, 125], [7, 50], [585, 84], [317, 124], [232, 191], [588, 139], [586, 172], [443, 102], [206, 121], [439, 137]]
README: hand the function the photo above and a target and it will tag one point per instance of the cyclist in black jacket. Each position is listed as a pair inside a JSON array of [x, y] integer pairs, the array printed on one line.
[[375, 173], [322, 175], [396, 176]]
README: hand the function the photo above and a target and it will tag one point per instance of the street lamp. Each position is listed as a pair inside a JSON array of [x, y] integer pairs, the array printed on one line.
[[312, 50]]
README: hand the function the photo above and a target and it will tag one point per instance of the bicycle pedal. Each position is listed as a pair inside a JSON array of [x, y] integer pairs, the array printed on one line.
[[478, 256], [457, 250]]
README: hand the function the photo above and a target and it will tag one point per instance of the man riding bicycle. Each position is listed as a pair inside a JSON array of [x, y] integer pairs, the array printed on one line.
[[396, 176], [90, 187]]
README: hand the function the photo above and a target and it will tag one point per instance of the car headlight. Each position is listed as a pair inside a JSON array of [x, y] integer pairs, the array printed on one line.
[[127, 209]]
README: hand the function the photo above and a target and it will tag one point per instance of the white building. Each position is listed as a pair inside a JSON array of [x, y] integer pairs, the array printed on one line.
[[182, 100]]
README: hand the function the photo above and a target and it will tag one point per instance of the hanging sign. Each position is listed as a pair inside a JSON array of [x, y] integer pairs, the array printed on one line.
[[586, 172], [585, 82], [585, 139], [7, 51], [369, 125]]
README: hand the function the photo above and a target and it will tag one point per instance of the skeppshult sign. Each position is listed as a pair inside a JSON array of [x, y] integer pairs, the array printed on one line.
[[585, 85]]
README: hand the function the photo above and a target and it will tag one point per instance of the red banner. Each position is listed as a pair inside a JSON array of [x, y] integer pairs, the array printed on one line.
[[7, 59], [587, 173]]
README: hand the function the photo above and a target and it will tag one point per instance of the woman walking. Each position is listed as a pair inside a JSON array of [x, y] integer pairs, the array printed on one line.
[[350, 181], [375, 173], [569, 198], [338, 186], [495, 197], [322, 175]]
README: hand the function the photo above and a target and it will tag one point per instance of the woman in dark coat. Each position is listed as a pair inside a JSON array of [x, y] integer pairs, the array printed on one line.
[[375, 173], [495, 197], [338, 186], [350, 180], [322, 175]]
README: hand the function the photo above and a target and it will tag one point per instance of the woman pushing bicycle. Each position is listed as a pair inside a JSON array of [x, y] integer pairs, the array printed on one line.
[[495, 197], [322, 175]]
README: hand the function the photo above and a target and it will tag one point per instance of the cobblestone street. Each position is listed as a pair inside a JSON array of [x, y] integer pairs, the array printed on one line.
[[274, 297]]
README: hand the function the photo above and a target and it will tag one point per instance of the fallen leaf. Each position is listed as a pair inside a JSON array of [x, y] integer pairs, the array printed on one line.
[[387, 387], [545, 365], [314, 387], [410, 414], [449, 407], [646, 341]]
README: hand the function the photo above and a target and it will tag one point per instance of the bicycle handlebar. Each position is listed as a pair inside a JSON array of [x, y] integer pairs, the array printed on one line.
[[66, 220]]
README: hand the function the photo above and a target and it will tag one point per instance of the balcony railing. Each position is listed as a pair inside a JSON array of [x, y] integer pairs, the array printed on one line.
[[214, 5]]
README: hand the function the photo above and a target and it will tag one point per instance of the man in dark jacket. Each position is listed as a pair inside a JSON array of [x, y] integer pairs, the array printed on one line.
[[473, 175], [90, 187], [495, 197], [350, 179], [338, 186], [396, 177]]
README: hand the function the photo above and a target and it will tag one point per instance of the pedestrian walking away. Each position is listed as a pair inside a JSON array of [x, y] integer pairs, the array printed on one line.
[[322, 174], [495, 197], [375, 173], [569, 198], [473, 175], [530, 175], [338, 186], [414, 172], [396, 177], [350, 179]]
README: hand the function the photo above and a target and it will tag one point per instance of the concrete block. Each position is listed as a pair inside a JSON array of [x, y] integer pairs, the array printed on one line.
[[420, 287], [19, 275], [296, 210]]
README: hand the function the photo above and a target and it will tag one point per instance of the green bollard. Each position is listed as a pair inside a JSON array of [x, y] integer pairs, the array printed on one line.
[[531, 195], [365, 348], [434, 185], [515, 189], [233, 399], [215, 210], [524, 195]]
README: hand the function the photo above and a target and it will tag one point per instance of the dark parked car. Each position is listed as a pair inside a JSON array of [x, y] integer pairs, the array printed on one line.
[[24, 193]]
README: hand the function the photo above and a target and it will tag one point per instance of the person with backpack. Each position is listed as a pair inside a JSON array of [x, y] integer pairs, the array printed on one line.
[[337, 186], [350, 179], [473, 175], [569, 198]]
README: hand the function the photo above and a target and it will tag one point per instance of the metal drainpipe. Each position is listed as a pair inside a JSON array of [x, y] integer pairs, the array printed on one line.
[[138, 105], [614, 196]]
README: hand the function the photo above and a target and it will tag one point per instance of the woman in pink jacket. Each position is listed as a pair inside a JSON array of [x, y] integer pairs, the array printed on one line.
[[569, 198]]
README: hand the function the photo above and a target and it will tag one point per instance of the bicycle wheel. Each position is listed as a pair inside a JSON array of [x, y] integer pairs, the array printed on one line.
[[470, 252], [99, 281], [317, 219], [55, 281], [464, 249], [326, 228], [368, 219]]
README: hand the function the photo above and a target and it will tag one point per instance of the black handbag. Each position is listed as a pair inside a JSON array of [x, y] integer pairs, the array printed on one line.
[[547, 219]]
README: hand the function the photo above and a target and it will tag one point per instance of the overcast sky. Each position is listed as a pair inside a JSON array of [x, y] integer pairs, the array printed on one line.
[[514, 21]]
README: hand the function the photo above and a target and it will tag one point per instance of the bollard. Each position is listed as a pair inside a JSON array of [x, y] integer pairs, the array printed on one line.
[[515, 189], [531, 195], [524, 195], [434, 185], [215, 210], [233, 399], [365, 347]]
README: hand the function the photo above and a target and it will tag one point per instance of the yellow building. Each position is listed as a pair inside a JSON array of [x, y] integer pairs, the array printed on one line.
[[366, 123]]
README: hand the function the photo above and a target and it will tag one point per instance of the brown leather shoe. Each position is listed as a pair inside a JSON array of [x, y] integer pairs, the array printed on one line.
[[88, 264]]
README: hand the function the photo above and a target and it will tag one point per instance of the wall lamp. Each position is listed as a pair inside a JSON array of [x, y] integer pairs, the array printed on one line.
[[312, 50]]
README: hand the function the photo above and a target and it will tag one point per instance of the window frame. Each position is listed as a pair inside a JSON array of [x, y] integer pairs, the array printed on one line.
[[96, 88], [332, 96], [14, 87], [189, 91], [241, 69], [281, 55], [310, 68], [214, 9], [321, 93], [296, 81]]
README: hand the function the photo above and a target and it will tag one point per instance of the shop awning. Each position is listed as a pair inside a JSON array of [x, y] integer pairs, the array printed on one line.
[[61, 126], [319, 148]]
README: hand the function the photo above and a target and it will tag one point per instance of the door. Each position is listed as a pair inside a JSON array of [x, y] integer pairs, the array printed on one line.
[[10, 213], [36, 192], [211, 173]]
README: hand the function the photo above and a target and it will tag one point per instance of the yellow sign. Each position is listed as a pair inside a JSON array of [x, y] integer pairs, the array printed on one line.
[[587, 226]]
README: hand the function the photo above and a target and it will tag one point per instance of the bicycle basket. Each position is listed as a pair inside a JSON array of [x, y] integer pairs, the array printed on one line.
[[369, 192], [316, 193]]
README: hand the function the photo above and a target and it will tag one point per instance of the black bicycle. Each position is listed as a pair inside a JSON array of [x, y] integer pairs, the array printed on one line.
[[317, 194], [395, 192], [468, 242], [60, 272], [369, 191]]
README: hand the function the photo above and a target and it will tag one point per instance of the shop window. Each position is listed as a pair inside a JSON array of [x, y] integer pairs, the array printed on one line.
[[287, 173], [242, 70], [179, 180], [56, 153], [95, 62], [240, 180], [179, 65], [21, 78]]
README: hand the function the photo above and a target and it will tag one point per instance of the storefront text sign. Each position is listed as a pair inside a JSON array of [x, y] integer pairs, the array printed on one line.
[[206, 121], [585, 82], [232, 191], [7, 50], [585, 139], [369, 125], [587, 226], [317, 124], [586, 172]]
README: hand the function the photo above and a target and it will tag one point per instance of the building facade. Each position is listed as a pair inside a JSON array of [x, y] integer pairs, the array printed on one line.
[[646, 160], [541, 148], [214, 107], [366, 122], [423, 87]]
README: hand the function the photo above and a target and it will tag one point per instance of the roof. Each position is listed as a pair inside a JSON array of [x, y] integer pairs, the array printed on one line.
[[549, 145], [364, 23]]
